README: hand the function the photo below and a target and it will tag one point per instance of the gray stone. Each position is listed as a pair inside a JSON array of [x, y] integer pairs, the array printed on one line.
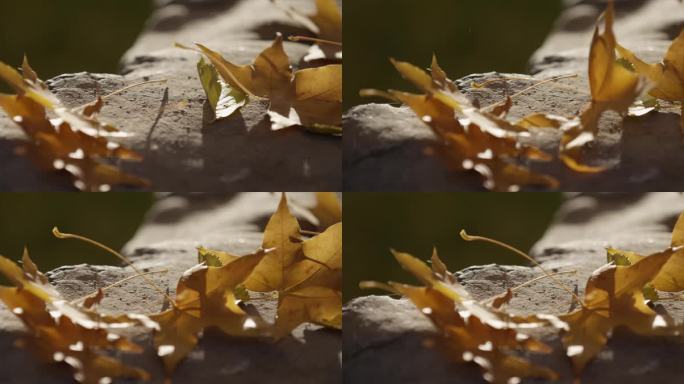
[[171, 124], [384, 145], [175, 227], [383, 336]]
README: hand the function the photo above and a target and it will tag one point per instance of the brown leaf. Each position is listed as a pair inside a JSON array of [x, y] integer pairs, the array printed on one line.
[[305, 274], [468, 331], [670, 278], [310, 97], [614, 298], [471, 139], [613, 87], [205, 297], [60, 332], [76, 143]]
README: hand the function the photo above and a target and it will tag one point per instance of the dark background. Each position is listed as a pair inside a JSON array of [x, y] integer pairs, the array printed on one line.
[[61, 36], [468, 36], [414, 222], [27, 219]]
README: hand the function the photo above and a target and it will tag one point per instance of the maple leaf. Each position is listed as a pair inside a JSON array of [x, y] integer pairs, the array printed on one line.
[[306, 274], [670, 278], [471, 139], [667, 76], [74, 142], [613, 88], [469, 331], [206, 298], [61, 332], [614, 298], [310, 98]]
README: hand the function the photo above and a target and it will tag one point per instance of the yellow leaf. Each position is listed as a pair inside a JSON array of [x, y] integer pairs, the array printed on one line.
[[282, 233]]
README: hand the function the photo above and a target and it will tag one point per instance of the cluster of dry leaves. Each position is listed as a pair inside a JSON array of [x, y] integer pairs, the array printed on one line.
[[487, 335], [64, 139], [310, 98], [302, 275], [483, 140]]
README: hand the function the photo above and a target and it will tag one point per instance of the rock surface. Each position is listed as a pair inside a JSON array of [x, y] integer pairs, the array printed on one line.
[[175, 227], [384, 145], [383, 336], [171, 125]]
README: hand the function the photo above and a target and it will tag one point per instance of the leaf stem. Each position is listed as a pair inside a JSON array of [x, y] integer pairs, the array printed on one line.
[[124, 89], [522, 285], [531, 87], [314, 40], [61, 235], [117, 283], [465, 236]]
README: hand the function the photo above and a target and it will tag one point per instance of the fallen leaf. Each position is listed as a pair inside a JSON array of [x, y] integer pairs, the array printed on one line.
[[223, 99], [613, 88], [305, 274], [670, 277], [73, 142], [613, 298], [310, 98], [60, 332], [667, 76], [468, 331], [206, 298], [471, 139]]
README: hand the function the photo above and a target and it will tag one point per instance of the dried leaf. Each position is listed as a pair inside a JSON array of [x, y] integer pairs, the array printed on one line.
[[311, 98], [76, 143], [205, 297], [306, 274], [93, 299], [283, 234], [614, 298], [613, 87], [502, 299], [670, 277], [471, 139], [468, 331], [667, 76], [60, 332]]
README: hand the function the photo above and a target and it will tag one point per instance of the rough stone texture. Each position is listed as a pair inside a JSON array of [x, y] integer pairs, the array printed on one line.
[[383, 336], [384, 144], [174, 228], [183, 149]]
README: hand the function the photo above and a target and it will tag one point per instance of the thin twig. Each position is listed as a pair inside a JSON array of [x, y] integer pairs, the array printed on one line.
[[528, 283], [531, 87], [60, 235], [468, 237], [314, 40], [124, 89], [117, 283]]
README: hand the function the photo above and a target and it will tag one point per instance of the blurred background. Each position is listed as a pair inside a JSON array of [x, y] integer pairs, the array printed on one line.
[[468, 36], [414, 222], [62, 36], [27, 219]]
